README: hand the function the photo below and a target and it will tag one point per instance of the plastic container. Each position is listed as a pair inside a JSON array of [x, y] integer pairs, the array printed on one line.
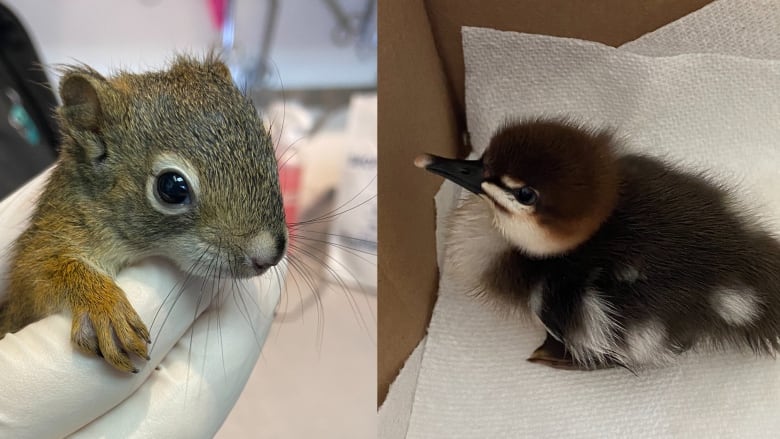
[[354, 233]]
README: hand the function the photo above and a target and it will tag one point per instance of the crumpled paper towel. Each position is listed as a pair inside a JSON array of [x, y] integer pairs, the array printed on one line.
[[707, 111], [746, 28]]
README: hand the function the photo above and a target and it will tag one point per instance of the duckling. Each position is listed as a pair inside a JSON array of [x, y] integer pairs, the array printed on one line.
[[625, 259]]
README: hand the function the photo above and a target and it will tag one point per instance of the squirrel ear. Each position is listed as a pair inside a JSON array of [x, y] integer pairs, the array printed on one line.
[[90, 104], [81, 106]]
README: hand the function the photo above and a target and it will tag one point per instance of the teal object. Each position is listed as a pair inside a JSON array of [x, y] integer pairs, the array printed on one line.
[[21, 120]]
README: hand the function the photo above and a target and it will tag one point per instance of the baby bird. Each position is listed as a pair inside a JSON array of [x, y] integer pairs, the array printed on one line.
[[625, 260]]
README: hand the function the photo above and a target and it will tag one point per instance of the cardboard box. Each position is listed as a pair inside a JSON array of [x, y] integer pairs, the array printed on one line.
[[421, 109]]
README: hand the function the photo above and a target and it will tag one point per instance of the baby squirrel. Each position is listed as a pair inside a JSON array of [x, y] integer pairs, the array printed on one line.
[[175, 163]]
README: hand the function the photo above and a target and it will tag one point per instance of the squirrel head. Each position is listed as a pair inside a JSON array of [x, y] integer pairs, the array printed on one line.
[[176, 163]]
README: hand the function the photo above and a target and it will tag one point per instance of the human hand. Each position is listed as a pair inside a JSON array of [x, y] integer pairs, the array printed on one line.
[[203, 354]]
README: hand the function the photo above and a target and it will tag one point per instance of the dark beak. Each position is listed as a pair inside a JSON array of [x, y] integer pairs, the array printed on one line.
[[464, 173]]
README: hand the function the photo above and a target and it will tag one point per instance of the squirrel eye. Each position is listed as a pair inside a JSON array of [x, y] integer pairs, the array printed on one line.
[[172, 188], [526, 195]]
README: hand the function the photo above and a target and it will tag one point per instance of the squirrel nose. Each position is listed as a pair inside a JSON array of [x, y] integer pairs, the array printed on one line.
[[266, 251], [262, 263]]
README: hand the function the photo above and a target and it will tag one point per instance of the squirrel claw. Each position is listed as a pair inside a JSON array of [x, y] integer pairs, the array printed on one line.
[[141, 331], [112, 336]]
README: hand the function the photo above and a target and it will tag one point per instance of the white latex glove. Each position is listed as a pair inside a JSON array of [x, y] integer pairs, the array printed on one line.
[[48, 389]]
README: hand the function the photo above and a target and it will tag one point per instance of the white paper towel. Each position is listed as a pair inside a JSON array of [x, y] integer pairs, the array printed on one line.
[[473, 380], [747, 28], [397, 408]]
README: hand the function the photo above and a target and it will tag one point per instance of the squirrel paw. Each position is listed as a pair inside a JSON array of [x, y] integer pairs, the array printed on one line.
[[111, 332]]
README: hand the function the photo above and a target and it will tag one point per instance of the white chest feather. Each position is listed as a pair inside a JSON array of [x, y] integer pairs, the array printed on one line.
[[473, 243]]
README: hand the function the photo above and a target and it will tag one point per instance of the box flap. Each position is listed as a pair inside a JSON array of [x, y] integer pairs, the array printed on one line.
[[415, 116]]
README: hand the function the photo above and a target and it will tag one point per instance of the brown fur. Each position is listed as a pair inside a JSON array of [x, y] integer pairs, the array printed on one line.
[[94, 218], [572, 168]]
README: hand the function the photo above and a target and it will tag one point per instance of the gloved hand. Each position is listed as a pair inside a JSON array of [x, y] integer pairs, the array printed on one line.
[[203, 355]]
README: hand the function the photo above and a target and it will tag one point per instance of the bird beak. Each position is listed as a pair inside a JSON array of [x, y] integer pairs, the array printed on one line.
[[464, 173]]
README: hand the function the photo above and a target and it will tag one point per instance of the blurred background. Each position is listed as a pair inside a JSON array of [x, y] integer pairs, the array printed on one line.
[[310, 67]]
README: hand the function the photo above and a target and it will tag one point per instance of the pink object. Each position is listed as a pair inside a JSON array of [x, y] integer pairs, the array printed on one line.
[[217, 9], [290, 182]]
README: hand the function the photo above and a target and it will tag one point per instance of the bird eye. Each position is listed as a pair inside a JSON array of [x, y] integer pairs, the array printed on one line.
[[526, 195], [172, 188]]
